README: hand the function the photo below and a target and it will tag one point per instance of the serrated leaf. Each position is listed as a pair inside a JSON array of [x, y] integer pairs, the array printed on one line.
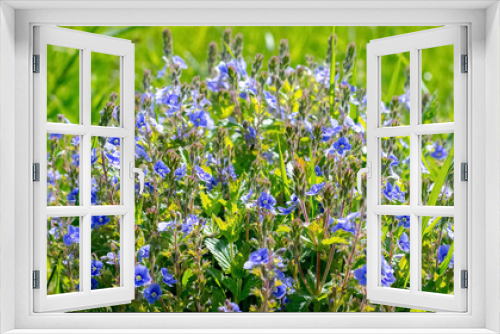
[[221, 251]]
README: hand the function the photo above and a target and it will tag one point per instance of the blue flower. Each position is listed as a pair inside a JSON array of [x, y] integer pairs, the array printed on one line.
[[94, 284], [387, 274], [140, 152], [342, 145], [439, 152], [141, 275], [318, 171], [53, 177], [114, 141], [329, 132], [161, 169], [245, 198], [55, 136], [152, 293], [279, 291], [201, 119], [167, 278], [267, 201], [251, 136], [93, 156], [76, 160], [393, 193], [256, 258], [179, 61], [346, 223], [73, 236], [99, 221], [315, 189], [180, 172], [231, 172], [403, 221], [73, 196], [442, 253], [143, 252], [111, 258], [54, 231], [286, 211], [164, 226], [114, 158], [204, 176], [95, 267], [229, 307], [360, 275], [140, 122], [404, 243]]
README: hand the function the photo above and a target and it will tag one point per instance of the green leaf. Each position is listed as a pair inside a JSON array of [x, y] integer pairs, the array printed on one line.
[[187, 275], [221, 250], [446, 262], [438, 185], [216, 274], [431, 227], [283, 228], [334, 240]]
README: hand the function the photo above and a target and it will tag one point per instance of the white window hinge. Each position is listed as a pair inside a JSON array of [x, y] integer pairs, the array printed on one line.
[[465, 279], [36, 172], [464, 171], [36, 279], [465, 64], [36, 63]]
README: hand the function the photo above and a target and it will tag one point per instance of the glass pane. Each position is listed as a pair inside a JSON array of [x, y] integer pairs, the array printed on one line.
[[63, 255], [437, 84], [395, 267], [105, 83], [106, 163], [105, 248], [395, 84], [395, 170], [63, 85], [438, 255], [437, 170], [63, 169]]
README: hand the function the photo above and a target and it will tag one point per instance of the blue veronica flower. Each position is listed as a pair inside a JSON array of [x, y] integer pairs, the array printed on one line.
[[403, 221], [140, 121], [95, 267], [114, 158], [267, 201], [75, 141], [180, 172], [99, 221], [213, 182], [308, 126], [355, 127], [449, 230], [143, 252], [245, 198], [318, 171], [204, 176], [286, 211], [179, 61], [231, 172], [256, 258], [54, 231], [442, 253], [344, 224], [201, 119], [164, 226], [93, 196], [167, 278], [248, 86], [93, 156], [387, 274], [404, 243], [140, 152], [73, 236], [75, 160], [111, 258], [161, 169], [439, 152], [72, 197], [393, 193], [360, 275], [342, 145], [152, 293], [114, 141], [315, 189], [229, 307], [279, 291], [53, 177], [251, 136], [329, 132], [240, 65], [141, 275], [55, 136], [294, 200], [94, 284]]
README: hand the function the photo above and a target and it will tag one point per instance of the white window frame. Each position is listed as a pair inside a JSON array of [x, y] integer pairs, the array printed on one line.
[[85, 43], [17, 20], [413, 43]]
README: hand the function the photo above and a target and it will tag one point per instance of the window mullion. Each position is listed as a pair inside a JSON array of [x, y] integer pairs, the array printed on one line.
[[414, 169]]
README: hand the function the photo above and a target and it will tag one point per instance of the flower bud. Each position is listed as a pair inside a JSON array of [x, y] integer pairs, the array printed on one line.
[[283, 47], [273, 65], [350, 56], [212, 57], [226, 41], [146, 80], [263, 78], [257, 64], [168, 48], [237, 45]]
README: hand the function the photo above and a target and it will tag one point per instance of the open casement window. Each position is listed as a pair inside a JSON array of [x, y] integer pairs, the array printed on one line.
[[70, 208], [417, 201]]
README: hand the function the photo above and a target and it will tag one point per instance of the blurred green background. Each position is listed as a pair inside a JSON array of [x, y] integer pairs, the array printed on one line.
[[191, 44]]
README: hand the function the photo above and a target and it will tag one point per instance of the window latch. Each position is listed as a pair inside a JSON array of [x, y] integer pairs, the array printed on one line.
[[464, 171], [465, 64], [36, 63], [368, 171], [36, 172]]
